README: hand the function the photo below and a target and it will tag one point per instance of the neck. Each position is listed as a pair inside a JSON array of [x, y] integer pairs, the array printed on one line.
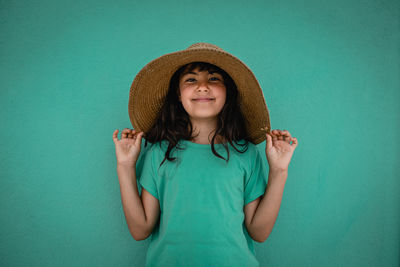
[[204, 131]]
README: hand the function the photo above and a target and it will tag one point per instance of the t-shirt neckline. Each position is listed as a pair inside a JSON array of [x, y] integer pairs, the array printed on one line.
[[197, 145]]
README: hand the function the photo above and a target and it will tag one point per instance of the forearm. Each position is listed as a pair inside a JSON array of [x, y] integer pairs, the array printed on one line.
[[267, 211], [132, 204]]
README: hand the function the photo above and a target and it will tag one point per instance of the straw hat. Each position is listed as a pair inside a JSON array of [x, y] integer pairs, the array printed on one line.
[[151, 85]]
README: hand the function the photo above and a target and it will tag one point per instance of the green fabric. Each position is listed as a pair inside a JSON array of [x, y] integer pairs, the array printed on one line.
[[201, 200]]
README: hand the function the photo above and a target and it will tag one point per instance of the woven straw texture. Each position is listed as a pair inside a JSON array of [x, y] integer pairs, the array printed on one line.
[[150, 86]]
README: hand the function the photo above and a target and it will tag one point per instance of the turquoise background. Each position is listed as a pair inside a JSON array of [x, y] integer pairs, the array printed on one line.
[[330, 75]]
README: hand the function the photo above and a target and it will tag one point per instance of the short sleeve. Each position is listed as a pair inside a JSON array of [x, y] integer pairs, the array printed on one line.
[[145, 172], [255, 184]]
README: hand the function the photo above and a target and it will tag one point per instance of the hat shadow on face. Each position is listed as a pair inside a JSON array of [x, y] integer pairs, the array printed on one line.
[[229, 84], [151, 87]]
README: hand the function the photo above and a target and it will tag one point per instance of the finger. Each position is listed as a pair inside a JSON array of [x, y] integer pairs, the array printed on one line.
[[269, 141], [286, 133], [295, 142], [115, 136], [132, 133], [286, 136], [274, 135], [138, 140], [139, 134], [124, 133], [282, 135], [279, 135]]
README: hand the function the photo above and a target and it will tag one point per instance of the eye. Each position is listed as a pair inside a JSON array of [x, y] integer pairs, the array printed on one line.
[[190, 79]]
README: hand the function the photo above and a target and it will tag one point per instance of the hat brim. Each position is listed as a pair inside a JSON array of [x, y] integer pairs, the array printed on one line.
[[151, 85]]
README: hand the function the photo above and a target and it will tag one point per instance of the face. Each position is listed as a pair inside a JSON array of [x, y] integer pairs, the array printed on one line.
[[202, 94]]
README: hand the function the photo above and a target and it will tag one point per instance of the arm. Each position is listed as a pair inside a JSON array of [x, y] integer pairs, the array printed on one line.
[[141, 213], [267, 211], [132, 204], [279, 151]]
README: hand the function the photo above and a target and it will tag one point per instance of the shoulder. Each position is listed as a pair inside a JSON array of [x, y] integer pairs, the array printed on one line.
[[254, 154], [246, 155], [154, 149], [248, 149], [156, 145], [158, 150], [149, 150], [254, 150]]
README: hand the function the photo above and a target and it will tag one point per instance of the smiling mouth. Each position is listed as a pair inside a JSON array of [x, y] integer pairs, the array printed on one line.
[[204, 99]]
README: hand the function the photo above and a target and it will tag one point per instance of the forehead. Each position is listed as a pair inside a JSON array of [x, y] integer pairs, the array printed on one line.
[[197, 70]]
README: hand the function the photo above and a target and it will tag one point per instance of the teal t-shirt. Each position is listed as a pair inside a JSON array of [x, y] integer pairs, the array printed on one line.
[[201, 201]]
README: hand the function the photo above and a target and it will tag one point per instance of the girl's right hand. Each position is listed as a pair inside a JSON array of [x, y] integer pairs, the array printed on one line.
[[127, 149]]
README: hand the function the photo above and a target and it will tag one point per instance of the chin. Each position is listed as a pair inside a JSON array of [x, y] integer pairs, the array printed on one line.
[[203, 116]]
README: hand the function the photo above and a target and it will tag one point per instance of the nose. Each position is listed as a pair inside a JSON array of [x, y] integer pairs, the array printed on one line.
[[203, 86]]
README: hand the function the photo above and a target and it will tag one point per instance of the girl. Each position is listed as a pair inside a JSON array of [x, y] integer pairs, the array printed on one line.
[[204, 197]]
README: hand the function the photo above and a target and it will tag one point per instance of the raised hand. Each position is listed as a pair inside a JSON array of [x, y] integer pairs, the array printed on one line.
[[128, 148], [278, 149]]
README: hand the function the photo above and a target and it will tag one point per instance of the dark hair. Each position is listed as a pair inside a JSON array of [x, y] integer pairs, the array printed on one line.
[[173, 123]]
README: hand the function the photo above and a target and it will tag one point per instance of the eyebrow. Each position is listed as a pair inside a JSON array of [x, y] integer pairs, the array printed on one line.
[[210, 72]]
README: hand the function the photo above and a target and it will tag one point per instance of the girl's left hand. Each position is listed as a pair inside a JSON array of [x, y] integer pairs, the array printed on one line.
[[278, 149]]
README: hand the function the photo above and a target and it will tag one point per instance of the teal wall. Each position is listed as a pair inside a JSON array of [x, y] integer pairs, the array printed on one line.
[[330, 75]]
